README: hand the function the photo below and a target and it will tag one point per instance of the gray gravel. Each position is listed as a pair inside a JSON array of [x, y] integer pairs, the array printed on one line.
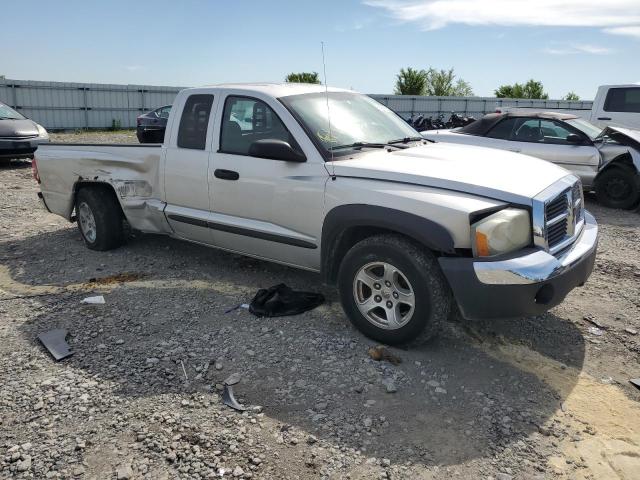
[[141, 396]]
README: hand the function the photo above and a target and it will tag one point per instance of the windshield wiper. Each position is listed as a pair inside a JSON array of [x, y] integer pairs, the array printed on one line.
[[361, 145], [404, 140]]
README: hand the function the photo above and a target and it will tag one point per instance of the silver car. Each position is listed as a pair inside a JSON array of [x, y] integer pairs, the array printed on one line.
[[607, 161]]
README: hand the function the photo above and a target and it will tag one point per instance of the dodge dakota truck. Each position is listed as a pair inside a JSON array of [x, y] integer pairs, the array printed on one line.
[[333, 182]]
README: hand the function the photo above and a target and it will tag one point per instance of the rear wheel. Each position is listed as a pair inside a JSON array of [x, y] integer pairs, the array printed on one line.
[[618, 187], [100, 218], [393, 290]]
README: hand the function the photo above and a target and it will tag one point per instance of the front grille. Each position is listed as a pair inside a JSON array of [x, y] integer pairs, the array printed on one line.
[[563, 218]]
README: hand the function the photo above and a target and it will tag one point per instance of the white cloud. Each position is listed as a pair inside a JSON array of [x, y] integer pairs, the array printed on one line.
[[134, 68], [629, 31], [620, 17], [573, 49]]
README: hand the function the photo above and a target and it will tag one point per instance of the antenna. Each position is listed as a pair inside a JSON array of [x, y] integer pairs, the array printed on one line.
[[326, 94]]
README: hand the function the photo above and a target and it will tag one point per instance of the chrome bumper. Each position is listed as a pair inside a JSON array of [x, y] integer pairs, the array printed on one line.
[[539, 266]]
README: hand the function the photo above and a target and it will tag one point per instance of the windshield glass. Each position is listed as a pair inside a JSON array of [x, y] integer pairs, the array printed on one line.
[[589, 129], [7, 113], [355, 119]]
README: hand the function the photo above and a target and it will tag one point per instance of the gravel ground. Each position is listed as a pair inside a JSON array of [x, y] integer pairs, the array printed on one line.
[[536, 398]]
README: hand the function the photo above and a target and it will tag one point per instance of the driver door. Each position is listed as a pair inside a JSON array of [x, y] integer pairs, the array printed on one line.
[[263, 207]]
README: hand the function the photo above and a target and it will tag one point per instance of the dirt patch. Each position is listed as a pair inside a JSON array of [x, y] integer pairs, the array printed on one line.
[[608, 422], [117, 278]]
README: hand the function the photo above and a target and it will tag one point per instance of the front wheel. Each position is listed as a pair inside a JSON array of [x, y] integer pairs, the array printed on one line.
[[618, 187], [393, 290]]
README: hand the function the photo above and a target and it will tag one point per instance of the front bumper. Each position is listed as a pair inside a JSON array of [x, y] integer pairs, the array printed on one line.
[[18, 148], [529, 283]]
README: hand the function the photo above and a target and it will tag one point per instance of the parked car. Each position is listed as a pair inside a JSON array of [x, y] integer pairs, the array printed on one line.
[[606, 160], [150, 126], [19, 136], [614, 106], [401, 225]]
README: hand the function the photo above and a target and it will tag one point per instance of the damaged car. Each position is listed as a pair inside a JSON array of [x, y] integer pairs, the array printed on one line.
[[607, 161]]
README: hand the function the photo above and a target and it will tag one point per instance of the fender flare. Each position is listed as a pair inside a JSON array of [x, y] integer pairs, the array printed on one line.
[[338, 220]]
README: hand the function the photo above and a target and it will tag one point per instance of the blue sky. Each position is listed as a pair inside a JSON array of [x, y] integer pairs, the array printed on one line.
[[567, 44]]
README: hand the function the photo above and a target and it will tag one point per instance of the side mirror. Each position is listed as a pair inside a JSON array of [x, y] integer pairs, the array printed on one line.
[[574, 139], [275, 149]]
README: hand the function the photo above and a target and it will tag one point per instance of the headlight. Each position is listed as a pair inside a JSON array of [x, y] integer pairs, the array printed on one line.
[[502, 232], [42, 133]]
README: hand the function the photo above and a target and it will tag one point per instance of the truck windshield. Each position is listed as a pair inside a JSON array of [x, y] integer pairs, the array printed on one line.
[[7, 113], [357, 121]]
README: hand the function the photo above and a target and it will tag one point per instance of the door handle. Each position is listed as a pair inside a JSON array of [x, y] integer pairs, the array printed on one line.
[[226, 174], [517, 150], [604, 118]]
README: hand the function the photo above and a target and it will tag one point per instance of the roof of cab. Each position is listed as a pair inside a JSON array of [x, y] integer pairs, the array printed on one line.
[[276, 89]]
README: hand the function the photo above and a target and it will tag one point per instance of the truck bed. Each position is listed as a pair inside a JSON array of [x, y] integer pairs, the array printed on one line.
[[132, 170]]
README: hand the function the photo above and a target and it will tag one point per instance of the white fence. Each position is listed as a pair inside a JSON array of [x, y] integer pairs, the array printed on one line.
[[60, 105]]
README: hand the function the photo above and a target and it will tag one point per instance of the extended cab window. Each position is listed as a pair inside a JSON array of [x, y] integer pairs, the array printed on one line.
[[623, 100], [246, 120], [194, 121]]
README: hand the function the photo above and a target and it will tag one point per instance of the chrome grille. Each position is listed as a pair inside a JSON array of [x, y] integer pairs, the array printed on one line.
[[559, 215]]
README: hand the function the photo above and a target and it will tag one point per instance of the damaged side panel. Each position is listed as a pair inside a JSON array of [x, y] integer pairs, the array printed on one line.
[[131, 170]]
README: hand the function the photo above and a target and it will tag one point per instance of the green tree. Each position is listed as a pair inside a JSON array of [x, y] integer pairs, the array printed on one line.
[[303, 77], [532, 89], [411, 82], [443, 83], [571, 96]]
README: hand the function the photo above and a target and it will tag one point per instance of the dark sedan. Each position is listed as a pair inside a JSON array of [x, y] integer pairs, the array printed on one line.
[[19, 136], [150, 126]]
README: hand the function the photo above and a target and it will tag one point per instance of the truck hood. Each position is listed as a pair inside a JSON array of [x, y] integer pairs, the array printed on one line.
[[18, 128], [486, 172]]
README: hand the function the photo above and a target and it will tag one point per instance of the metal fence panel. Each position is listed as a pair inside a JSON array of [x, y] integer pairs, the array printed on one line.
[[408, 105], [65, 105]]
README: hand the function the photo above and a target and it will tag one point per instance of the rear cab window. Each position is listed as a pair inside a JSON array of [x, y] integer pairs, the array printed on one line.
[[194, 121], [623, 100]]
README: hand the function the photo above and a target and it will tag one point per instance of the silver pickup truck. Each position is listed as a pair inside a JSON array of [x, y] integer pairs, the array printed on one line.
[[333, 182]]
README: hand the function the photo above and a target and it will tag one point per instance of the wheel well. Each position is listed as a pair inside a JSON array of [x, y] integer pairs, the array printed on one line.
[[97, 186], [621, 161], [343, 242]]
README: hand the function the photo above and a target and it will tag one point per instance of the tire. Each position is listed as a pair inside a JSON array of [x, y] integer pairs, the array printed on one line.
[[100, 218], [618, 187], [143, 137], [411, 268]]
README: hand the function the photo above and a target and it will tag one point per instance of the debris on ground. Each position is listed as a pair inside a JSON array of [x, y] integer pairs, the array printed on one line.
[[596, 331], [631, 331], [55, 341], [228, 397], [97, 300], [635, 382], [593, 321], [242, 305], [380, 352], [281, 300]]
